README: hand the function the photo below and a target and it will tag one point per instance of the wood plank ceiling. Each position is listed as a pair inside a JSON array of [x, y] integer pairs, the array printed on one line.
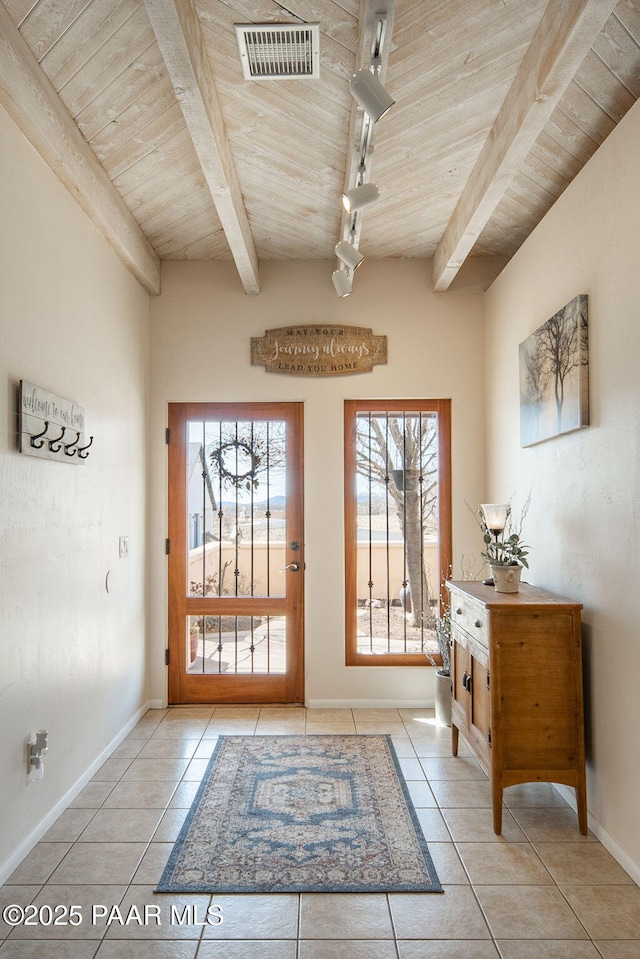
[[499, 103]]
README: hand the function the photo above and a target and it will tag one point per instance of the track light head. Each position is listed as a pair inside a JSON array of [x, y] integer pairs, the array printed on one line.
[[342, 282], [347, 252], [369, 93], [360, 196]]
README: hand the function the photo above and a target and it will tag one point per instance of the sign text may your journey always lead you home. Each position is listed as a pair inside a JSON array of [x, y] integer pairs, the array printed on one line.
[[317, 350]]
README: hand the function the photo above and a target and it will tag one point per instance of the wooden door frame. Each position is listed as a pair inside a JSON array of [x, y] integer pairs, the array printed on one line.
[[282, 688]]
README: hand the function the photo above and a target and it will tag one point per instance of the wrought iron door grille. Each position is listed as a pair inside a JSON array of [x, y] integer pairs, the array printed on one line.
[[236, 540], [397, 555]]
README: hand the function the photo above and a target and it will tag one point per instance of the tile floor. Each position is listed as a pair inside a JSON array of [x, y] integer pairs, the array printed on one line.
[[539, 891]]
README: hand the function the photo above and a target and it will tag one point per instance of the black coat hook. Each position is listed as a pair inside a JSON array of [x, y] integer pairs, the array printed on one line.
[[55, 445], [81, 449], [69, 446], [37, 436]]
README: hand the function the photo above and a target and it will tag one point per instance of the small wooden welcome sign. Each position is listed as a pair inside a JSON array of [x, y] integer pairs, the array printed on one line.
[[317, 350]]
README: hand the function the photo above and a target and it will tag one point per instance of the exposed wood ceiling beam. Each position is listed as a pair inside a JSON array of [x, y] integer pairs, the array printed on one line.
[[566, 33], [370, 13], [32, 102], [182, 46]]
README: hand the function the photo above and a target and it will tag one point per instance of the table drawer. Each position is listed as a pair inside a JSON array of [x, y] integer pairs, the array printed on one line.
[[471, 617]]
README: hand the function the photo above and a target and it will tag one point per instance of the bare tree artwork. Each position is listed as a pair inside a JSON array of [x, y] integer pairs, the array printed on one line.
[[554, 370]]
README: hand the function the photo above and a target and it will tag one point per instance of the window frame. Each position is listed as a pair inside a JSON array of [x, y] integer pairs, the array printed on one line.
[[442, 407]]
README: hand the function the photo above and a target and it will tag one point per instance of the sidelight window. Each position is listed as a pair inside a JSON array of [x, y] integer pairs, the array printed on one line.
[[398, 528]]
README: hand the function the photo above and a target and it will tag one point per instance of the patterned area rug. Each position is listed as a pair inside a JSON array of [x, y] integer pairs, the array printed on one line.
[[301, 814]]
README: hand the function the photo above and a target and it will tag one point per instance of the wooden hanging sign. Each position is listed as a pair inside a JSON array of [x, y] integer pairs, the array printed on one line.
[[318, 350]]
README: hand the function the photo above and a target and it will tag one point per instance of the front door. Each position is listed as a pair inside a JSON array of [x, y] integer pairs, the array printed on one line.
[[236, 553]]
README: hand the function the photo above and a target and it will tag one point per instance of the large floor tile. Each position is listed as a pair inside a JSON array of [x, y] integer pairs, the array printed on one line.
[[140, 795], [583, 864], [381, 727], [180, 729], [347, 949], [528, 912], [93, 795], [476, 825], [156, 770], [98, 862], [448, 864], [87, 922], [454, 914], [112, 769], [230, 727], [152, 864], [454, 949], [495, 863], [170, 825], [550, 825], [330, 729], [167, 916], [48, 948], [461, 794], [249, 949], [255, 916], [619, 948], [607, 912], [548, 949], [39, 864], [411, 769], [69, 825], [236, 712], [345, 916], [158, 949], [434, 828], [329, 716], [533, 794], [122, 825], [169, 749], [373, 714], [421, 795], [14, 895], [458, 767]]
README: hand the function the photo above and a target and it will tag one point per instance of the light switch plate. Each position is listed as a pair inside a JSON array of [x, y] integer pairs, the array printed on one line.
[[123, 547]]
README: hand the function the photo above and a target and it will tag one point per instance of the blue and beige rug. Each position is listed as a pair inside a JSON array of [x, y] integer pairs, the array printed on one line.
[[301, 814]]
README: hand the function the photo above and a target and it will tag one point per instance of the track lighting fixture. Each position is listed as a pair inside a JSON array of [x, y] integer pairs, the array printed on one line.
[[369, 94], [347, 252], [342, 282], [360, 196], [359, 193]]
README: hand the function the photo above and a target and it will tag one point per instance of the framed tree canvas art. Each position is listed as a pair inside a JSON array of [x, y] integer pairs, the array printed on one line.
[[554, 375]]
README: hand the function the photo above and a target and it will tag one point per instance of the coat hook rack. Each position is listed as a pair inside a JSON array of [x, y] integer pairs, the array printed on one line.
[[47, 424], [69, 449], [33, 439]]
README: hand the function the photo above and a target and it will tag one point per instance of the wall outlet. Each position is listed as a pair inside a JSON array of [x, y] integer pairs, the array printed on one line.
[[123, 547]]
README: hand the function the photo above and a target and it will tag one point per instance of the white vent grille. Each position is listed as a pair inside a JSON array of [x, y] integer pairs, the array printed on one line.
[[279, 51]]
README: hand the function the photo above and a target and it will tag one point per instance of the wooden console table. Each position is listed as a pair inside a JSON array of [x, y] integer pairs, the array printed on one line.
[[517, 687]]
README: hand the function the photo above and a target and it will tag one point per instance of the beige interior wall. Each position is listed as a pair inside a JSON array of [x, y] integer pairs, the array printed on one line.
[[584, 524], [202, 325], [73, 321]]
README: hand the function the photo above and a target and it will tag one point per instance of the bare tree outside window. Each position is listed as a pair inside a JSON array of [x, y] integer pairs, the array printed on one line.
[[554, 375]]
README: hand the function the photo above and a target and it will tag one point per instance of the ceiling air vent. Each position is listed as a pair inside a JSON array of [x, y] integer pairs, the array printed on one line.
[[279, 51]]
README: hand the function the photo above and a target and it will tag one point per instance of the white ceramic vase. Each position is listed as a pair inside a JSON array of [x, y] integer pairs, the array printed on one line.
[[506, 579]]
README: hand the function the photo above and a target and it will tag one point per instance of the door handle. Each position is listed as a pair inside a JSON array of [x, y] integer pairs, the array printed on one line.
[[294, 567]]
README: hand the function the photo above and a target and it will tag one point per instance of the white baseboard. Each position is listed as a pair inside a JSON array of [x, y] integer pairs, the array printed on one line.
[[568, 794], [370, 704], [25, 847], [156, 704]]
